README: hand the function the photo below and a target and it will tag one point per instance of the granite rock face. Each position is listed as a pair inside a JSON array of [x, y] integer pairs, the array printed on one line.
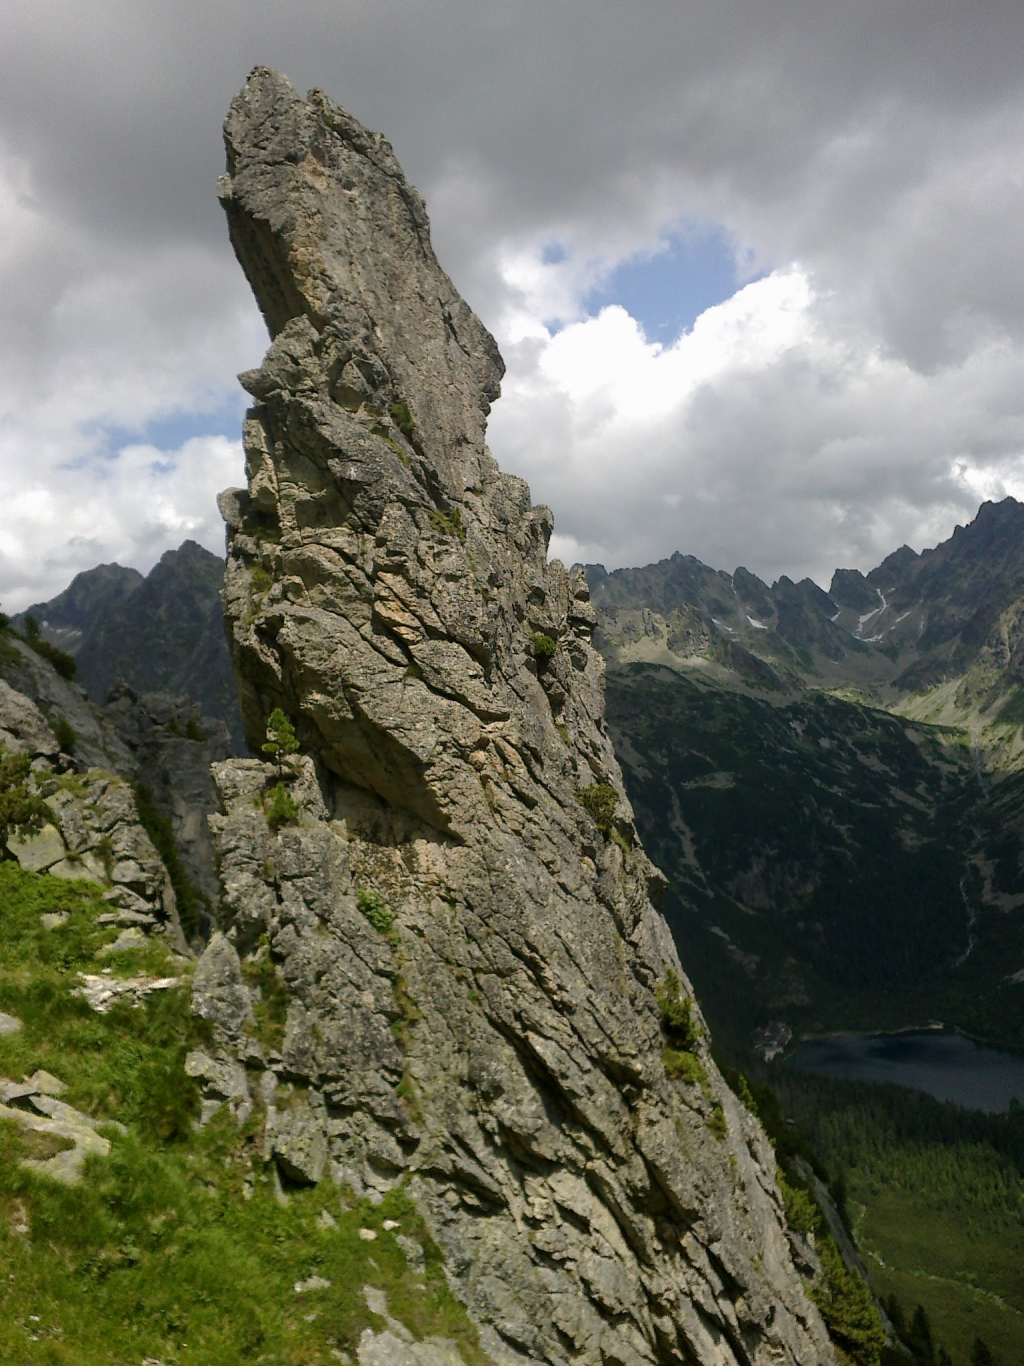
[[470, 950]]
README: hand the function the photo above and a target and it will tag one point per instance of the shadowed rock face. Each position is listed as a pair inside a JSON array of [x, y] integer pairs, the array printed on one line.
[[498, 1044]]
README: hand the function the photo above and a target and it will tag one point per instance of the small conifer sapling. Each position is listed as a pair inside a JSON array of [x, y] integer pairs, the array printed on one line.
[[281, 740]]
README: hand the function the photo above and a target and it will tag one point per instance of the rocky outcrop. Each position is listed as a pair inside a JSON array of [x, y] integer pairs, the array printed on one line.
[[93, 742], [454, 895], [92, 829], [172, 745]]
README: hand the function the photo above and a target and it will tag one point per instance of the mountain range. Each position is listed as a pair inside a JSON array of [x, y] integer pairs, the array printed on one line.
[[162, 632], [833, 782]]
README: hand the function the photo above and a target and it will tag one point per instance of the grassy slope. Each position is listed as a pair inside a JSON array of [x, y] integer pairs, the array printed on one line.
[[936, 1196], [965, 1268], [158, 1252]]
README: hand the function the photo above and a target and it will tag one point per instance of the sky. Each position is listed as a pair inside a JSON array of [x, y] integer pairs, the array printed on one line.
[[755, 270]]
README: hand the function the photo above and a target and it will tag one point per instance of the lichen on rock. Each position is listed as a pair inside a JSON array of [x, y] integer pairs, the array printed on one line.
[[495, 1043]]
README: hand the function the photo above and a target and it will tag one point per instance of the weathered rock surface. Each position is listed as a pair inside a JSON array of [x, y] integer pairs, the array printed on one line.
[[33, 1106], [94, 830], [470, 959], [96, 745], [172, 746]]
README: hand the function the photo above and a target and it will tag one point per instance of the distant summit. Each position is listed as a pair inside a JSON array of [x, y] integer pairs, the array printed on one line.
[[915, 623], [162, 632]]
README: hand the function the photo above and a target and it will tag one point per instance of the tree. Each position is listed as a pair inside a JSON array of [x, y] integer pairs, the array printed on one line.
[[981, 1354], [281, 740], [920, 1336]]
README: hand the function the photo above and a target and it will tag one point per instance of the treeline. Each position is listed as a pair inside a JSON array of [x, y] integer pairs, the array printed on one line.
[[951, 1158]]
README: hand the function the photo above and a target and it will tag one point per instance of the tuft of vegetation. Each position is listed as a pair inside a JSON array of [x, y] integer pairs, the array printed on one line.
[[677, 1020], [372, 906], [685, 1066], [21, 809], [409, 1012], [63, 731], [190, 900], [449, 524], [61, 661], [599, 800], [802, 1213], [401, 416], [618, 839], [279, 807], [261, 579], [544, 647], [271, 1009], [717, 1122]]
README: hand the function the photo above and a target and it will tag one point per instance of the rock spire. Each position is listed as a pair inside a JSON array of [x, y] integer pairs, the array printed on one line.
[[461, 909]]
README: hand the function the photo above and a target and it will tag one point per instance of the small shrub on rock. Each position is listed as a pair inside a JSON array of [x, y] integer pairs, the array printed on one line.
[[20, 809], [281, 740], [372, 906], [449, 524], [685, 1067], [279, 807], [544, 647], [401, 416], [676, 1013], [599, 800], [63, 731]]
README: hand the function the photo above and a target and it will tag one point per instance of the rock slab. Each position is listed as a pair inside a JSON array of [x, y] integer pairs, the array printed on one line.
[[461, 913]]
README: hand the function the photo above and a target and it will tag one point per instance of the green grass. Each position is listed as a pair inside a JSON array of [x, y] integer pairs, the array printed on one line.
[[964, 1269], [372, 905], [160, 1254], [935, 1196], [173, 1247]]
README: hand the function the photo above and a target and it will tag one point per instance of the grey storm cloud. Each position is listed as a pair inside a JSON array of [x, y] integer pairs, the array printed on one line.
[[873, 145]]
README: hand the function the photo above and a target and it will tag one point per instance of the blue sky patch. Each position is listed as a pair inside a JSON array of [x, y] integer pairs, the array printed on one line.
[[170, 432], [667, 292]]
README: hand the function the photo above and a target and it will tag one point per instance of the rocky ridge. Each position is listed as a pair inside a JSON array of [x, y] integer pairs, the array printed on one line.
[[935, 635], [162, 633], [459, 905]]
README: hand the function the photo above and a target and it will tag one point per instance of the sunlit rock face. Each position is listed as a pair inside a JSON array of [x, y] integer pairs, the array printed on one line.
[[470, 956]]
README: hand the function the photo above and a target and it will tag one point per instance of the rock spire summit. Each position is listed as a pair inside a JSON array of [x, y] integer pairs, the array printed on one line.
[[484, 1002]]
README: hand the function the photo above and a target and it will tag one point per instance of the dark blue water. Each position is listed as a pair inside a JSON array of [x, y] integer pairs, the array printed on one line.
[[947, 1066]]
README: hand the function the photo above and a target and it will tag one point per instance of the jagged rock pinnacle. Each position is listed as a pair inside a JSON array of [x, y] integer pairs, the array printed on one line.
[[462, 912]]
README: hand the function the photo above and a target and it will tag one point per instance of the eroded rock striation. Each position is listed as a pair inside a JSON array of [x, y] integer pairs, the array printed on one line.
[[461, 910]]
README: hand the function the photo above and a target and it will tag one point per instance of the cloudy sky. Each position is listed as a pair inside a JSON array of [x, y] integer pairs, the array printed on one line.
[[756, 269]]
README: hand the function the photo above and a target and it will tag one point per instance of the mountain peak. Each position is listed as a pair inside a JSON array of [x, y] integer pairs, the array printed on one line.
[[461, 821]]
